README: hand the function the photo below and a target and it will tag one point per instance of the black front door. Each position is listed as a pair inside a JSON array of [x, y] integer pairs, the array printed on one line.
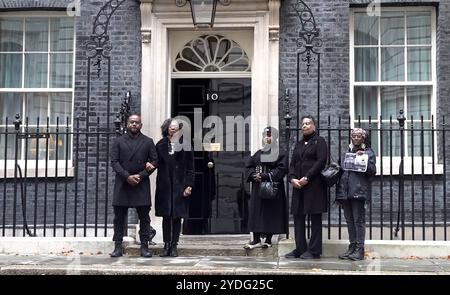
[[219, 203]]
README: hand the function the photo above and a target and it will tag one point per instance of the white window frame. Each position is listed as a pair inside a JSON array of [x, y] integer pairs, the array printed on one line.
[[428, 169], [45, 168]]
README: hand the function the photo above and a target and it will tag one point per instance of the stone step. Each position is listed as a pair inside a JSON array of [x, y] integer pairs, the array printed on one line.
[[211, 245]]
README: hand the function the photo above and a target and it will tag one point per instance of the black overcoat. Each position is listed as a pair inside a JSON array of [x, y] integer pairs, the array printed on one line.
[[183, 176], [128, 156], [267, 216], [309, 159]]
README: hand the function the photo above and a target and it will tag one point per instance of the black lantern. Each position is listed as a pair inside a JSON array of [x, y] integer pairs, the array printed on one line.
[[203, 11]]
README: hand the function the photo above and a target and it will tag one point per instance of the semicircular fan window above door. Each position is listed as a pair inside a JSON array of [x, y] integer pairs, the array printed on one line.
[[212, 53]]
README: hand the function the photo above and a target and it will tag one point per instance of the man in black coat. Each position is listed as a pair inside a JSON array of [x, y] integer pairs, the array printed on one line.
[[129, 155]]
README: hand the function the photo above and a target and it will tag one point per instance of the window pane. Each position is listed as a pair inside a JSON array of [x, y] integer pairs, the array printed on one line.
[[37, 106], [10, 70], [58, 141], [392, 99], [421, 140], [11, 31], [36, 34], [392, 28], [419, 64], [61, 70], [60, 106], [392, 64], [366, 61], [36, 70], [8, 146], [10, 105], [366, 29], [366, 103], [419, 27], [62, 32], [35, 143], [419, 102], [391, 140]]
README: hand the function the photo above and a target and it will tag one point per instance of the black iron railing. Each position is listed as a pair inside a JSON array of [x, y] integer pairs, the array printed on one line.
[[409, 193]]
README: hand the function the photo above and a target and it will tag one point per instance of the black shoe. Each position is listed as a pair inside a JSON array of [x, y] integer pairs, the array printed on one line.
[[309, 255], [293, 254], [350, 250], [145, 251], [118, 250], [166, 250], [358, 254], [173, 250]]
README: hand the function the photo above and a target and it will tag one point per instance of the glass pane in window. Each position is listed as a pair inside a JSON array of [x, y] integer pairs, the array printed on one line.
[[419, 102], [60, 106], [61, 70], [57, 144], [36, 34], [36, 105], [11, 34], [10, 70], [392, 28], [366, 64], [10, 105], [366, 102], [37, 142], [392, 101], [391, 139], [421, 140], [7, 143], [419, 27], [36, 70], [419, 64], [61, 35], [366, 29], [392, 64]]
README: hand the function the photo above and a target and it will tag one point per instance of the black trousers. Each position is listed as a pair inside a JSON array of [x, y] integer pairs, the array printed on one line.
[[315, 243], [171, 229], [355, 216], [120, 213]]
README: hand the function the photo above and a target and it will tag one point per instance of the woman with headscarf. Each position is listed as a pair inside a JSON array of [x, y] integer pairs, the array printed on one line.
[[174, 183], [266, 216], [353, 193]]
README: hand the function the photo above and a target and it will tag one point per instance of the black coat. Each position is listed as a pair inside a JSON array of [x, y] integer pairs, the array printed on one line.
[[267, 216], [355, 185], [182, 175], [128, 157], [309, 160]]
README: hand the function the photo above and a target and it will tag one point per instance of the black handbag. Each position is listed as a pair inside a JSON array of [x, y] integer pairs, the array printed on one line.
[[331, 173], [268, 189]]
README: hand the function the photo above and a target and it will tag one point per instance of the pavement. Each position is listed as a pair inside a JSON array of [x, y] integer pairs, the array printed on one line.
[[102, 264]]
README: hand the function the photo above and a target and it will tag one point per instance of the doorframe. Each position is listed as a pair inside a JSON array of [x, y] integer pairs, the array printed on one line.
[[158, 19]]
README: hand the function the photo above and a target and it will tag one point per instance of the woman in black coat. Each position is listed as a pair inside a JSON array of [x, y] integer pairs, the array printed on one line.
[[309, 190], [174, 183], [353, 193], [267, 216]]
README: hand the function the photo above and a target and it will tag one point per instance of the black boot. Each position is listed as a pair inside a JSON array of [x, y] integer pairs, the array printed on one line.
[[166, 250], [350, 250], [358, 254], [145, 251], [173, 250], [118, 250], [152, 235]]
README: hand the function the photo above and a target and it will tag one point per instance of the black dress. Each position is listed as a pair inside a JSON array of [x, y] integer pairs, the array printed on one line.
[[267, 216]]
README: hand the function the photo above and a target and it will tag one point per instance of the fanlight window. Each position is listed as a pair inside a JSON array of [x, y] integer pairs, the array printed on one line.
[[212, 53]]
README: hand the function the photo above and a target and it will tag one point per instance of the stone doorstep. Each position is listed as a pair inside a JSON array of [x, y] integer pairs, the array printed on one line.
[[381, 248]]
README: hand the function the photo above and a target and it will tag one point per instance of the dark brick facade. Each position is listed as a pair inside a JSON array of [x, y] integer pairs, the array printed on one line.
[[332, 18]]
